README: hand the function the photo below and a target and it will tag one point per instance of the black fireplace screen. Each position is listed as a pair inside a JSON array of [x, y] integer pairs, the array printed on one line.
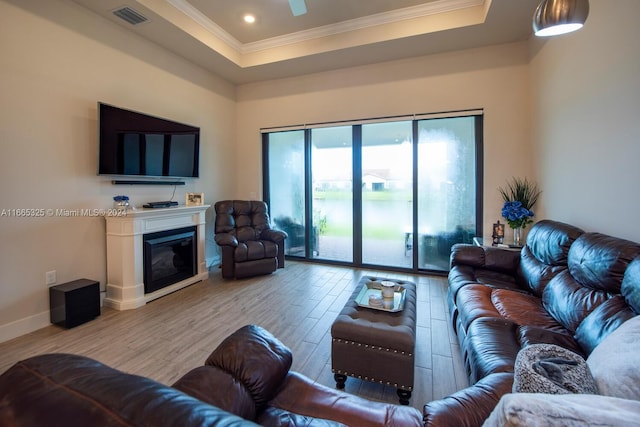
[[169, 257]]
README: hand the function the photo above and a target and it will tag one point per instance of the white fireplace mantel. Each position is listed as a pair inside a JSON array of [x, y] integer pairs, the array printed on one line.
[[125, 263]]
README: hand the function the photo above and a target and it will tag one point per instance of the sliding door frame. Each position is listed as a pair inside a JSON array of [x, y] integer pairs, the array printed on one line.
[[357, 203]]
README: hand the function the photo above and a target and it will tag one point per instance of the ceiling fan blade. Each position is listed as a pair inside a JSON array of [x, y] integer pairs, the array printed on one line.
[[298, 7]]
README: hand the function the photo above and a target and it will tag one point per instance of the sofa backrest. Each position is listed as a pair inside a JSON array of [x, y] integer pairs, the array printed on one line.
[[546, 253], [245, 219], [588, 297], [70, 390]]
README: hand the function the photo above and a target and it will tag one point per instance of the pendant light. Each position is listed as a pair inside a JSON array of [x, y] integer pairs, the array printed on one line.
[[554, 17]]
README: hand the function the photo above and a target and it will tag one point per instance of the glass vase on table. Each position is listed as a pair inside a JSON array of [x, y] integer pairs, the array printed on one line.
[[517, 236]]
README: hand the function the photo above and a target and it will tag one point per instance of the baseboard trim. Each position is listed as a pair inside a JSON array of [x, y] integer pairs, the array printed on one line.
[[24, 326]]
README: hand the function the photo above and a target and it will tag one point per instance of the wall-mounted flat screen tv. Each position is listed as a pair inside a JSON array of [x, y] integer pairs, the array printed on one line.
[[136, 144]]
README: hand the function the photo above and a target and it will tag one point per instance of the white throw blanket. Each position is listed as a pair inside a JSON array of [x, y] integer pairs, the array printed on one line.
[[570, 410]]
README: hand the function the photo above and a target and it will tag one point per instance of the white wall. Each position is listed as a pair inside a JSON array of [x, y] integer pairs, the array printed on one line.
[[494, 78], [58, 60], [586, 104]]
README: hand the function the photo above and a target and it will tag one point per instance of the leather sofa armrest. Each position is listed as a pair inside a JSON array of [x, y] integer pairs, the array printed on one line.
[[465, 254], [276, 417], [471, 406], [276, 236], [486, 257], [301, 395], [226, 239], [218, 388], [256, 359]]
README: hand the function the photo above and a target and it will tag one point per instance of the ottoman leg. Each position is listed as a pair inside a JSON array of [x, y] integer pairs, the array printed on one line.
[[340, 380], [404, 396]]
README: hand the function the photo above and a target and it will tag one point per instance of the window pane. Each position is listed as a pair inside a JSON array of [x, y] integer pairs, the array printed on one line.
[[332, 178], [446, 188], [286, 188], [387, 194]]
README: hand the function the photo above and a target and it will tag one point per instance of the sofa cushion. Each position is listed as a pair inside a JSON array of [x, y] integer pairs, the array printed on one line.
[[599, 262], [524, 309], [491, 346], [569, 302], [630, 288], [549, 241], [474, 302], [602, 321], [255, 250], [546, 252], [478, 301], [614, 362], [529, 335], [536, 274]]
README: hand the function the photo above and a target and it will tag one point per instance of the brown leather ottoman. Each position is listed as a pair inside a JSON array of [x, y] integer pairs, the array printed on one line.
[[376, 345]]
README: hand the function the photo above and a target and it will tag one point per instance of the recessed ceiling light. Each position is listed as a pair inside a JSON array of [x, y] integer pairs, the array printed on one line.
[[249, 19]]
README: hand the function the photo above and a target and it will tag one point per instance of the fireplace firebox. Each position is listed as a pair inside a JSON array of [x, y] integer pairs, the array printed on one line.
[[169, 257]]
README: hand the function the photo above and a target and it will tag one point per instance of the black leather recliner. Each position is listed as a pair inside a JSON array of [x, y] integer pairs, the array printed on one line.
[[249, 246]]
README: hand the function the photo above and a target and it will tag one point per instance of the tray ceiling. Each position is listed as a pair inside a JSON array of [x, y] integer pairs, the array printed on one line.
[[332, 34]]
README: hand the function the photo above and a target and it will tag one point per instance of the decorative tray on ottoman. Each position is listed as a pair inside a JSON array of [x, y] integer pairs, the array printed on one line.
[[373, 289]]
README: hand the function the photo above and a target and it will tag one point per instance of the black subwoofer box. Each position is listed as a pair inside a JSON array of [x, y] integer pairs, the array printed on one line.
[[74, 303]]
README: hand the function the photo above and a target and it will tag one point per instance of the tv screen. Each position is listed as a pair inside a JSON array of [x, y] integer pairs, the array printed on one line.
[[135, 144]]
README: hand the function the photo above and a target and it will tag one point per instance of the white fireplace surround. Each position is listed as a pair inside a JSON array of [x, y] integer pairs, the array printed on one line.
[[125, 262]]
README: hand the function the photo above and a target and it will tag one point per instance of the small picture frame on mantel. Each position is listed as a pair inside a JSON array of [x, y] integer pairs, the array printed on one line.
[[194, 199], [498, 233]]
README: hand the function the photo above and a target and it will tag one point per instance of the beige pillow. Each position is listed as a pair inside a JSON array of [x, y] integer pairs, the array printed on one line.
[[615, 362]]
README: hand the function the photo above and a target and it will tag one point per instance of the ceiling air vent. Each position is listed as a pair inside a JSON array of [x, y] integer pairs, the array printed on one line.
[[130, 15]]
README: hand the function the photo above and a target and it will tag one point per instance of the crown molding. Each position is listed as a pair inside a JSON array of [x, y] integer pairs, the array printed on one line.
[[427, 9], [192, 12]]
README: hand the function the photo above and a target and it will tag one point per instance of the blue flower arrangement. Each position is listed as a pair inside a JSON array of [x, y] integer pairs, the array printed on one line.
[[517, 216], [519, 198]]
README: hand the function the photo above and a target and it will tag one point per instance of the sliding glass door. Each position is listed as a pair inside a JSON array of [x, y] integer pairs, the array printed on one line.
[[387, 193], [394, 194], [286, 197], [446, 188], [332, 194]]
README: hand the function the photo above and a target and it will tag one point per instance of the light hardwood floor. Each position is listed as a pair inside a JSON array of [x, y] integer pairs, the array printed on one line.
[[170, 336]]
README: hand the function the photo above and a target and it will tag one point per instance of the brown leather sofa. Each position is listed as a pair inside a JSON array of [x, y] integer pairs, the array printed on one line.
[[566, 287], [245, 381], [250, 246]]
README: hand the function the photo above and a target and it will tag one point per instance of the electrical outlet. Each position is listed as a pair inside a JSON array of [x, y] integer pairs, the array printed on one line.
[[50, 277]]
